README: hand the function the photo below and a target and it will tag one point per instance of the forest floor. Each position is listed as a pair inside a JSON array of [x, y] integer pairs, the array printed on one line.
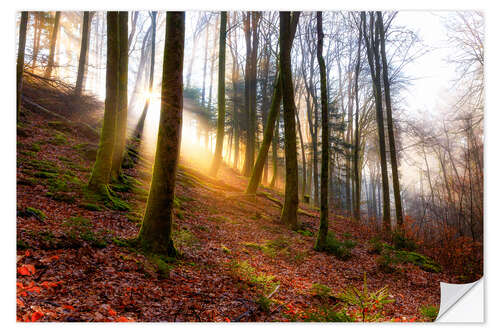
[[74, 263]]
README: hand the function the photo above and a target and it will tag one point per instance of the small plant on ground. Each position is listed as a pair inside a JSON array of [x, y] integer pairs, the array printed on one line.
[[184, 238], [79, 229], [367, 305], [390, 256], [430, 312], [30, 211], [321, 314], [320, 290], [401, 242], [305, 232], [264, 303], [247, 273], [341, 250], [376, 245]]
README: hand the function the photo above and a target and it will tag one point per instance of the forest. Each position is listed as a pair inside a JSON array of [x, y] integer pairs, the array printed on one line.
[[243, 166]]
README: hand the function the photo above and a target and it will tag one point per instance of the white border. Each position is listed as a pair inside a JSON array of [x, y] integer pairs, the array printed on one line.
[[8, 139]]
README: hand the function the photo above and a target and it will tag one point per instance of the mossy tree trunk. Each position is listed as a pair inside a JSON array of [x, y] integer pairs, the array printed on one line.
[[323, 222], [156, 230], [83, 53], [102, 168], [390, 127], [221, 96], [290, 206], [254, 182], [53, 40], [121, 118], [20, 60]]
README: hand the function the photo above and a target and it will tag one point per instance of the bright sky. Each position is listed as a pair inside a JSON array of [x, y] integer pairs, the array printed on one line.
[[431, 72]]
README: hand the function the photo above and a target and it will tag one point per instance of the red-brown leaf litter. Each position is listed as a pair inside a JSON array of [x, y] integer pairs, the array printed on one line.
[[72, 264]]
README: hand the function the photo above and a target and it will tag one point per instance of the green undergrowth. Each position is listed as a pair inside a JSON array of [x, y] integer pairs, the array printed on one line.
[[429, 312], [161, 264], [401, 242], [32, 212], [390, 257], [263, 283], [80, 229], [184, 238], [340, 249], [323, 313], [271, 248], [107, 197], [59, 126], [87, 150], [320, 290], [59, 139]]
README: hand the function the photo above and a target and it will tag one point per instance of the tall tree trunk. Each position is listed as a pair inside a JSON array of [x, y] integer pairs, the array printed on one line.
[[236, 127], [193, 55], [205, 60], [83, 53], [141, 68], [253, 184], [253, 88], [20, 60], [221, 96], [156, 229], [36, 37], [290, 206], [390, 130], [304, 161], [275, 152], [102, 168], [250, 131], [323, 224], [121, 118], [140, 125], [212, 69], [53, 39], [372, 46], [357, 181]]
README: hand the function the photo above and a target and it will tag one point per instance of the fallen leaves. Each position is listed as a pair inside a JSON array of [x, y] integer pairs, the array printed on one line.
[[78, 282], [26, 270]]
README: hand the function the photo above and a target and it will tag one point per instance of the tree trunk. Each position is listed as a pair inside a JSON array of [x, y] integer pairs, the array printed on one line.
[[323, 224], [140, 70], [142, 119], [102, 168], [372, 45], [20, 60], [390, 130], [221, 96], [275, 152], [36, 37], [253, 184], [357, 181], [250, 127], [205, 60], [121, 118], [290, 206], [156, 229], [83, 53], [53, 39], [304, 161]]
